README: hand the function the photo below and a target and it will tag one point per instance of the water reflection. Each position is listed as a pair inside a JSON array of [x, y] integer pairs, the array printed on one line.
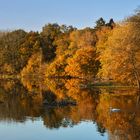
[[21, 102]]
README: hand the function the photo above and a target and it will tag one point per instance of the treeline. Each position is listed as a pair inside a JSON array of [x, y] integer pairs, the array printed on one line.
[[107, 51]]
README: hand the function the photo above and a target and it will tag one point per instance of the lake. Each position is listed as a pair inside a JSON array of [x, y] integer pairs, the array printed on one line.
[[24, 116]]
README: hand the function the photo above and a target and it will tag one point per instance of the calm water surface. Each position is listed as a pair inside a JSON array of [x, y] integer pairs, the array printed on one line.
[[36, 130], [24, 116]]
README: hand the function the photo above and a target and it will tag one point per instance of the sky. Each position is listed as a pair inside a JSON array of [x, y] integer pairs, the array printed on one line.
[[34, 14]]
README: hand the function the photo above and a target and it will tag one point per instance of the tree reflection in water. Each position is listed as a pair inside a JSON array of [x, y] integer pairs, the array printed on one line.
[[18, 103]]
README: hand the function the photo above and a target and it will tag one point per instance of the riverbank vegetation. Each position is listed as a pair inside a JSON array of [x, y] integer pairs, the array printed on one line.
[[108, 51]]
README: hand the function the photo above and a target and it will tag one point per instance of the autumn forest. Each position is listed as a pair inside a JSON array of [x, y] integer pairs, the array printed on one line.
[[62, 82], [108, 52]]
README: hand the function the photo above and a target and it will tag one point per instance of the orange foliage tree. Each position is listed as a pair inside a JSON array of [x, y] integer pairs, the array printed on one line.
[[83, 63], [120, 58]]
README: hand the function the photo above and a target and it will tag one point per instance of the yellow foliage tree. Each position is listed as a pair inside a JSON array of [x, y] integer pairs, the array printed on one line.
[[120, 59], [83, 63], [33, 66]]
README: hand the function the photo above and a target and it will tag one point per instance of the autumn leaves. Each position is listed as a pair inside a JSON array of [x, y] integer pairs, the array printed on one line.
[[108, 51], [120, 58]]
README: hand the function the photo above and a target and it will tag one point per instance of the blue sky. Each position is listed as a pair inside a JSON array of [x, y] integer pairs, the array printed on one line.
[[33, 14]]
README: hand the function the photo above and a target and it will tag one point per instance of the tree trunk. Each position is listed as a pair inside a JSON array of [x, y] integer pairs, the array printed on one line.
[[137, 77], [138, 100], [135, 72]]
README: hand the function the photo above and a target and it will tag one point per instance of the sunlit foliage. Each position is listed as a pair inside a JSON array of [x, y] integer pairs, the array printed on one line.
[[83, 63], [120, 59], [108, 51]]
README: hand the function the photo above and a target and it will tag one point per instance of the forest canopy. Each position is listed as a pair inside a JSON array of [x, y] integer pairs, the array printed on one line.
[[107, 51]]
